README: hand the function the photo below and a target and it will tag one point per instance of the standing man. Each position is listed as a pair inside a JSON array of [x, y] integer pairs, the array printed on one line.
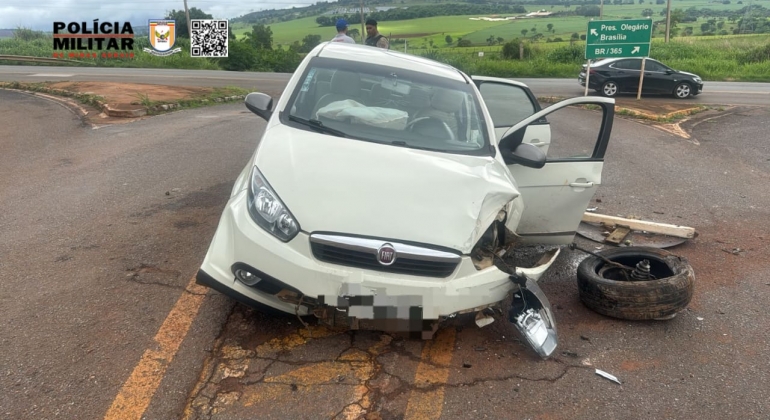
[[375, 39], [342, 32]]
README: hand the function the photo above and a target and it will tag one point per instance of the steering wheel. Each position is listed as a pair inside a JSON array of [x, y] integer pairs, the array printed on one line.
[[431, 127]]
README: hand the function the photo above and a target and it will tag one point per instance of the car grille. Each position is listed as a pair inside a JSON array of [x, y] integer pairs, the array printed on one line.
[[362, 253]]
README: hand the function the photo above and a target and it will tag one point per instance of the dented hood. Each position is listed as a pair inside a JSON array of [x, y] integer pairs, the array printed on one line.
[[348, 186]]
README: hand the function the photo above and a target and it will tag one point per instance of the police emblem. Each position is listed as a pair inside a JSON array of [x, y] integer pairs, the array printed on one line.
[[162, 37]]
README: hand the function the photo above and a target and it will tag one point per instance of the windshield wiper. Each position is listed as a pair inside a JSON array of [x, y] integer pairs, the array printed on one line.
[[318, 126]]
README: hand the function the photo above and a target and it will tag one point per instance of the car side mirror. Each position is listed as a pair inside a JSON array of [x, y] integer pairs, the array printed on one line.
[[527, 155], [514, 150], [260, 104], [669, 71]]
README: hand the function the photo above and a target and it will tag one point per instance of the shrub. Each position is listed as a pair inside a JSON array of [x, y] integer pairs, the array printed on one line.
[[510, 49], [567, 54], [755, 55]]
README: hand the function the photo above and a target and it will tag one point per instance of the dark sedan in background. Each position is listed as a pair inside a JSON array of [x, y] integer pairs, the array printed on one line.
[[611, 76]]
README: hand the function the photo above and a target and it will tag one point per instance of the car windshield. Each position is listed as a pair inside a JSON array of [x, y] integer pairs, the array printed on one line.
[[388, 105]]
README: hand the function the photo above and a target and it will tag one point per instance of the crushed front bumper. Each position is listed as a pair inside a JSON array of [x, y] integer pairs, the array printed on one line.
[[293, 281]]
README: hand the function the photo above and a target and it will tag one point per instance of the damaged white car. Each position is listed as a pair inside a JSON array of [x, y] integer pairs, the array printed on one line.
[[388, 187]]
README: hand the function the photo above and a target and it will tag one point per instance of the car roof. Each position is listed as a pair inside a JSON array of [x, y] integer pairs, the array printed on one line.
[[381, 56]]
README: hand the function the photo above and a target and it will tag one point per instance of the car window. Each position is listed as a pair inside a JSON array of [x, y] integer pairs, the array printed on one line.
[[391, 105], [629, 64], [507, 104], [653, 66], [570, 141]]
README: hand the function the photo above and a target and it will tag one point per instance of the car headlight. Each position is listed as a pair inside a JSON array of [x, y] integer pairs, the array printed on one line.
[[267, 210], [697, 79]]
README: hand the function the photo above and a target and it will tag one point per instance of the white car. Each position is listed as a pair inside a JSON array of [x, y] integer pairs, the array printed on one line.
[[387, 187]]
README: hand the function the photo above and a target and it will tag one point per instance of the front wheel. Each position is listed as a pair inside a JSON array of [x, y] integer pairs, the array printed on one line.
[[682, 91], [662, 286], [610, 89]]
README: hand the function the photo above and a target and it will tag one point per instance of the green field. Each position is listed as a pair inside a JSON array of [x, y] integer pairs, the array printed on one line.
[[287, 32], [732, 57], [419, 32]]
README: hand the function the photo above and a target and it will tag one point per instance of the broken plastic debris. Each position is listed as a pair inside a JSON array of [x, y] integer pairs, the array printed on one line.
[[482, 319], [700, 319], [607, 375], [592, 209]]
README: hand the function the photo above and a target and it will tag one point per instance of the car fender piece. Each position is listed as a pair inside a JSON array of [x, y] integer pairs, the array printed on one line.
[[534, 273]]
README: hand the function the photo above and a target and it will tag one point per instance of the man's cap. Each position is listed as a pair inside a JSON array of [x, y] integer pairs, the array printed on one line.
[[342, 24], [371, 22]]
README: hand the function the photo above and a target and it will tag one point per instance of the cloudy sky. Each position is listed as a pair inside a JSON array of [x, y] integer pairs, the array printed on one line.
[[40, 14]]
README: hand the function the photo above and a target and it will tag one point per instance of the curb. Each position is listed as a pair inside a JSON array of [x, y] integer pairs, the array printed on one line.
[[636, 112], [176, 105], [98, 101], [66, 102]]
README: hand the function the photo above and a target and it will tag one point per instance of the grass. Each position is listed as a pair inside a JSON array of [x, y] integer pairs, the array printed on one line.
[[713, 58], [216, 96]]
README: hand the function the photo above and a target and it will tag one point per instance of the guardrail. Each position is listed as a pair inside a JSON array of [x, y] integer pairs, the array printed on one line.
[[33, 59]]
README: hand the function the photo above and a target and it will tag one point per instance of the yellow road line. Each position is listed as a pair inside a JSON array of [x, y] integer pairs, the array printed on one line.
[[431, 371], [135, 396]]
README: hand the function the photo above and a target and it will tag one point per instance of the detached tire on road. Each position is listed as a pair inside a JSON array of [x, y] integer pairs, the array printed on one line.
[[603, 288]]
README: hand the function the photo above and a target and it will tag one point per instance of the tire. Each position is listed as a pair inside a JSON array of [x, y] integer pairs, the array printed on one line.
[[603, 289], [610, 89], [682, 91]]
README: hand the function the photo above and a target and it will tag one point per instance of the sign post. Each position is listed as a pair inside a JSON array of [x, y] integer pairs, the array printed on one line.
[[619, 38]]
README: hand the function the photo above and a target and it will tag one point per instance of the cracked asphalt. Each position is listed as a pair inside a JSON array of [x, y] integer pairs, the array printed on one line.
[[102, 230]]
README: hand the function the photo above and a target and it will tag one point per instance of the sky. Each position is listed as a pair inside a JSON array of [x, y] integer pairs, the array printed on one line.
[[40, 14]]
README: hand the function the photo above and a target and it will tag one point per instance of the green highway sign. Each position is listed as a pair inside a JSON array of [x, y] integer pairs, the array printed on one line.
[[618, 38]]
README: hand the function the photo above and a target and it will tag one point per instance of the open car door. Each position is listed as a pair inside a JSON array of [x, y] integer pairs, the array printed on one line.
[[557, 187], [509, 102]]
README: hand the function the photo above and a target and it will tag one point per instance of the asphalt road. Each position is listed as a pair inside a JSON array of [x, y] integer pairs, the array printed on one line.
[[715, 93], [103, 229]]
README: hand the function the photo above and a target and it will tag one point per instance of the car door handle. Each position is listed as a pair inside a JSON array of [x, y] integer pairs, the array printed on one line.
[[581, 184]]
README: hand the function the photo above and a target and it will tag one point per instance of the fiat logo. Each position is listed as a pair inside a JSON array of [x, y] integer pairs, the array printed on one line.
[[386, 255]]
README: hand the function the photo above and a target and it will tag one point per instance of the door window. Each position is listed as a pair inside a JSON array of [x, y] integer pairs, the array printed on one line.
[[629, 65], [653, 66], [507, 104]]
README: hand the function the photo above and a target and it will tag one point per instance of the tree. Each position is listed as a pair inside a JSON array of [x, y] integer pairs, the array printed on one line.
[[309, 42], [524, 32], [590, 10], [353, 33], [550, 27], [583, 37], [491, 40], [500, 40], [448, 39], [647, 12], [260, 37], [240, 56], [181, 20]]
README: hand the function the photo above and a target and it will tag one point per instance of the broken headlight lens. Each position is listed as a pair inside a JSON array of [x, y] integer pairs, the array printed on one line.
[[267, 210]]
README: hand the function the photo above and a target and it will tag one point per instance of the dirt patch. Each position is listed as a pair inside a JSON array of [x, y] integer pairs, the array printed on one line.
[[652, 107], [121, 94]]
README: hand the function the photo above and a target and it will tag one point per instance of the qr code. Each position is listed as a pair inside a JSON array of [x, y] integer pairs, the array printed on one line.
[[209, 38]]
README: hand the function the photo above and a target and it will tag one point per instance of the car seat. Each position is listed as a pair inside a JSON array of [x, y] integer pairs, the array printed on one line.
[[344, 85], [444, 105]]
